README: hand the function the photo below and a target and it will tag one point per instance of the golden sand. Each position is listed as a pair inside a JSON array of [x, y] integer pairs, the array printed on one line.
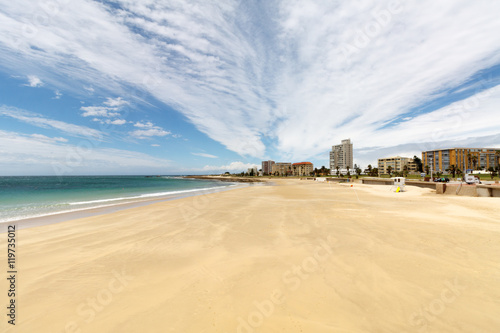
[[297, 257]]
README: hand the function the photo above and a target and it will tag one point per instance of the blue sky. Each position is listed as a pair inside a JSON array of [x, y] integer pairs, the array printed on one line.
[[178, 87]]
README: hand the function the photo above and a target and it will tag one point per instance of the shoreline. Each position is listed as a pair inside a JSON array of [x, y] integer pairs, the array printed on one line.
[[58, 217], [228, 178]]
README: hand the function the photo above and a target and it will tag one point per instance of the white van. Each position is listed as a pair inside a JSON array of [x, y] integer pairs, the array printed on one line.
[[471, 179]]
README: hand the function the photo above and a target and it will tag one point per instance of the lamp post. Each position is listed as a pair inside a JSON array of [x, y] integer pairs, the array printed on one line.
[[432, 164]]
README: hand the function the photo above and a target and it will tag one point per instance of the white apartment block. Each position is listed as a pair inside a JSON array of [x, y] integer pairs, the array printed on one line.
[[341, 156]]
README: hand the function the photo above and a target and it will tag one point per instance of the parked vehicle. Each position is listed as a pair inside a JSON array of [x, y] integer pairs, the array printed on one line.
[[441, 180], [471, 179]]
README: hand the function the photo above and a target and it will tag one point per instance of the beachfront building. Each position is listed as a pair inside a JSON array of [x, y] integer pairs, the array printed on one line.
[[341, 156], [253, 171], [267, 167], [302, 169], [462, 158], [397, 164], [282, 169]]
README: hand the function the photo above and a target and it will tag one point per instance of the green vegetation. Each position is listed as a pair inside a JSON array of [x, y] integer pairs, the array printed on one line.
[[418, 162]]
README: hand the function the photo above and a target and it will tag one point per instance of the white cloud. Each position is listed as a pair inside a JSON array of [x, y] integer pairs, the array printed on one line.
[[57, 94], [34, 81], [44, 138], [231, 167], [116, 122], [146, 124], [115, 102], [113, 105], [310, 73], [111, 122], [144, 134], [37, 154], [474, 115], [205, 155], [148, 130], [40, 121], [111, 110], [99, 111], [155, 145], [90, 90]]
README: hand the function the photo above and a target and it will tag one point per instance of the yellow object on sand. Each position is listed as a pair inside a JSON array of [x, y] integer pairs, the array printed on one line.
[[398, 189]]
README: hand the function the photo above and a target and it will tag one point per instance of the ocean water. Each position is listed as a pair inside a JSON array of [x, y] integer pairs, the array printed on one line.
[[27, 197]]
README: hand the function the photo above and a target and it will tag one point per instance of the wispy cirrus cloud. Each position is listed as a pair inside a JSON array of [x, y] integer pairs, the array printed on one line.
[[38, 154], [290, 75], [44, 138], [44, 122], [204, 155], [89, 89]]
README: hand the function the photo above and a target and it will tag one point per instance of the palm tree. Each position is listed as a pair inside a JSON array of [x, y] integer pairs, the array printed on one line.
[[369, 169], [427, 169], [389, 170], [474, 161], [338, 168], [492, 171], [348, 173], [453, 170], [358, 172], [418, 162], [405, 171], [497, 155]]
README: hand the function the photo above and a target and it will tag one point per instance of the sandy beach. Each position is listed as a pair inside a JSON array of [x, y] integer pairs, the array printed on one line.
[[299, 256]]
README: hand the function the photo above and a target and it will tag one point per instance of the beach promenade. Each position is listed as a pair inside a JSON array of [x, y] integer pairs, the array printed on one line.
[[300, 256]]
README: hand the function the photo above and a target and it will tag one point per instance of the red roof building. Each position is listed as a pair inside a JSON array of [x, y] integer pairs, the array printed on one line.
[[302, 169]]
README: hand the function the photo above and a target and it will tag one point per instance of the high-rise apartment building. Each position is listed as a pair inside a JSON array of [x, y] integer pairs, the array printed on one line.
[[463, 158], [267, 167], [341, 155]]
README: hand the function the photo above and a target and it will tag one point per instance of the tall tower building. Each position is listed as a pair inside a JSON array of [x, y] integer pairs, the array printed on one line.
[[267, 167], [341, 156]]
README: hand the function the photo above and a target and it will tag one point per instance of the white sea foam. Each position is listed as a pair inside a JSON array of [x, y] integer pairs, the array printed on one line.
[[104, 203], [148, 195]]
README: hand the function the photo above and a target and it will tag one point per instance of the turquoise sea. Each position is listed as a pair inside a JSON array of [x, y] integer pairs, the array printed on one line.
[[27, 197]]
